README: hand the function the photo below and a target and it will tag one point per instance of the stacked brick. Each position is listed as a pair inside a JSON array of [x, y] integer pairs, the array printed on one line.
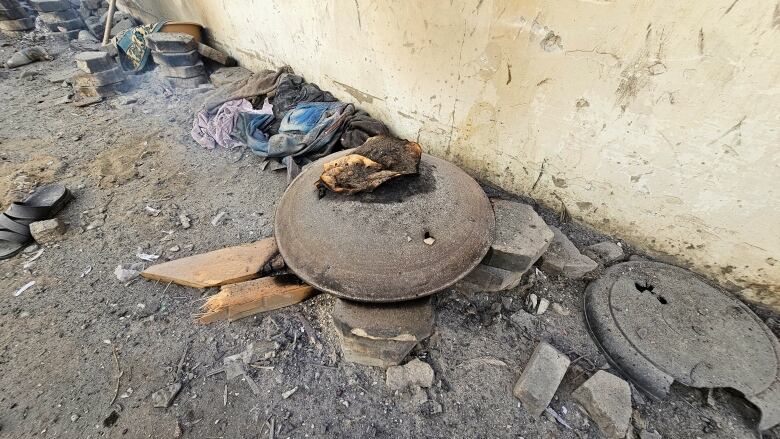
[[92, 12], [14, 18], [178, 58], [60, 17], [99, 75]]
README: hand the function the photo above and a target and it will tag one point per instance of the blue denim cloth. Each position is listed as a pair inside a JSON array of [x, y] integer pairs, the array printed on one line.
[[250, 129], [307, 132]]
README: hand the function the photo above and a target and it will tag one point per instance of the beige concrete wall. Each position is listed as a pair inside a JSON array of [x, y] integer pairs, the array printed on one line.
[[656, 121]]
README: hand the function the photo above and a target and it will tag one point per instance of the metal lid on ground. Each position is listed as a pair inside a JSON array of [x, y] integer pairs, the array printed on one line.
[[371, 246], [658, 323]]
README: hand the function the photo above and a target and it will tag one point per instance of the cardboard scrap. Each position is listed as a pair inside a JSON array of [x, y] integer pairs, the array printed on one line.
[[220, 267], [244, 299]]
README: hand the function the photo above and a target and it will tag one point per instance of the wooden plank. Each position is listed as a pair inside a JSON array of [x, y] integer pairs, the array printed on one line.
[[220, 267], [252, 297]]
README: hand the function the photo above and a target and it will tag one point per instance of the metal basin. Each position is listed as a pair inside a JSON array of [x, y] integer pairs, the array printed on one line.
[[370, 246]]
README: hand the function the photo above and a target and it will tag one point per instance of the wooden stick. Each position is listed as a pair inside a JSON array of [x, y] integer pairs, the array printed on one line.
[[109, 21]]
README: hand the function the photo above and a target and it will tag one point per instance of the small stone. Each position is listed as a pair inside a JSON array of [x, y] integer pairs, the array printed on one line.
[[24, 314], [540, 378], [74, 417], [48, 231], [560, 310], [522, 237], [218, 219], [607, 400], [165, 396], [184, 220], [485, 278], [429, 241], [605, 252], [418, 396], [543, 305], [289, 393], [125, 274], [174, 249], [413, 373], [563, 258]]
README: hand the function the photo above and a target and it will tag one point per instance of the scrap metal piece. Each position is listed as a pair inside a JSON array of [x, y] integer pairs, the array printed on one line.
[[658, 323], [371, 246]]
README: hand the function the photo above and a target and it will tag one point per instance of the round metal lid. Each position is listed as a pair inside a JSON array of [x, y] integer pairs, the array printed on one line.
[[370, 246], [660, 323]]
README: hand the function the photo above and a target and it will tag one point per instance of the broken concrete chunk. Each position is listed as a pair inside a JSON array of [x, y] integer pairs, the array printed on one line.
[[104, 90], [563, 258], [540, 378], [488, 279], [413, 373], [48, 231], [106, 77], [605, 252], [93, 62], [607, 400], [381, 334], [522, 237], [165, 396], [50, 5]]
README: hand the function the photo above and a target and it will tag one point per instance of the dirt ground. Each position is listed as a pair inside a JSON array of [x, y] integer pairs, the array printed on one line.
[[58, 372]]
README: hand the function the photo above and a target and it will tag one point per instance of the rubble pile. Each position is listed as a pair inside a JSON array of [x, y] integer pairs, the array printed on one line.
[[60, 17], [14, 18]]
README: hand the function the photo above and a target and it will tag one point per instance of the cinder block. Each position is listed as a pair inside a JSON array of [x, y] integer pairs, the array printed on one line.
[[93, 62], [50, 5], [171, 42], [540, 378], [488, 279], [184, 72], [104, 90], [522, 237], [57, 16], [381, 334], [176, 59], [106, 77]]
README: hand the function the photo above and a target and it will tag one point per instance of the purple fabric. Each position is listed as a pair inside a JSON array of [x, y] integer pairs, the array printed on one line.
[[212, 130]]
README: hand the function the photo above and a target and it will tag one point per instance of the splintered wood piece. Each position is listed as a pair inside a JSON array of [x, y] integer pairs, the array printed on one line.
[[220, 267], [244, 299]]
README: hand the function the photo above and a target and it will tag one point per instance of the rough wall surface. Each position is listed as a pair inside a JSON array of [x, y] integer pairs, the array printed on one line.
[[657, 121]]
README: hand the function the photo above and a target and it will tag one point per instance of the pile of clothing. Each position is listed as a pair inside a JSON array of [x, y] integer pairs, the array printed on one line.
[[281, 118]]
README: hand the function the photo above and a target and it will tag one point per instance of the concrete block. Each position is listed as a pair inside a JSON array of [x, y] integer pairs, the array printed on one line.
[[488, 279], [176, 59], [415, 373], [607, 400], [381, 334], [121, 26], [93, 62], [193, 82], [171, 42], [56, 16], [48, 231], [522, 237], [184, 72], [106, 77], [22, 24], [563, 258], [50, 5], [14, 13], [606, 252], [540, 378]]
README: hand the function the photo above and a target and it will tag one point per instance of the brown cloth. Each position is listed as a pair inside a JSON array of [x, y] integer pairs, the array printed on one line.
[[255, 87], [378, 160], [360, 127]]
